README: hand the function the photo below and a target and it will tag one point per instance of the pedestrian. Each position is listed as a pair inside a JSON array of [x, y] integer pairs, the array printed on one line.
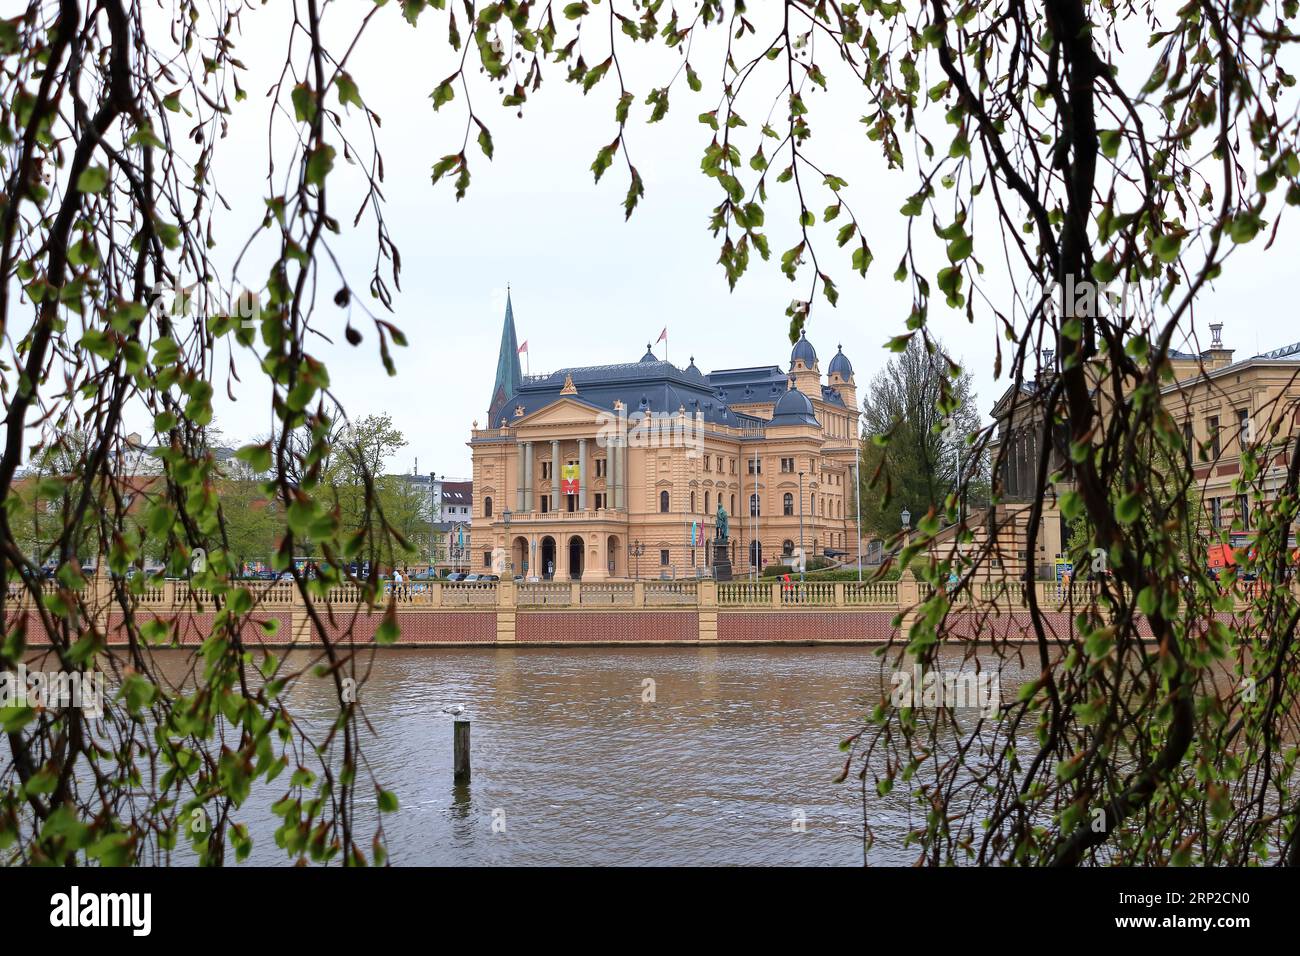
[[398, 590]]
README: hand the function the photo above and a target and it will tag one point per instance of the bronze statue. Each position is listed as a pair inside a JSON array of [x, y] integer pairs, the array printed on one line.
[[722, 527]]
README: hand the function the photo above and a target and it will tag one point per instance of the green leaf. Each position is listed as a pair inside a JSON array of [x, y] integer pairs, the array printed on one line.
[[319, 164], [1129, 508], [93, 179]]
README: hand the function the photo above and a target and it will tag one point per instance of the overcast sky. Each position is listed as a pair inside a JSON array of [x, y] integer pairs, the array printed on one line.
[[589, 288]]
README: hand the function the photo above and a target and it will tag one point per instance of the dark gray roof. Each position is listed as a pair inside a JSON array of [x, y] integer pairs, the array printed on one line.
[[803, 350], [794, 408], [1291, 351], [650, 385], [841, 365]]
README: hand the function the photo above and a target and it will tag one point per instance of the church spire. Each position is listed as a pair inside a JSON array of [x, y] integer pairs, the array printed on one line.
[[509, 377]]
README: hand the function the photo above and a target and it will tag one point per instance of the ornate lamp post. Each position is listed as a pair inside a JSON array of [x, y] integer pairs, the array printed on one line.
[[907, 527], [636, 551], [510, 561]]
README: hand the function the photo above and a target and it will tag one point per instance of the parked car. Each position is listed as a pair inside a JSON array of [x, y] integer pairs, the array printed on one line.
[[469, 578], [456, 576], [489, 577]]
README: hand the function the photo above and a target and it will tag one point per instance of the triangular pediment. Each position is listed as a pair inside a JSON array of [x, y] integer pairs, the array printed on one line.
[[563, 411]]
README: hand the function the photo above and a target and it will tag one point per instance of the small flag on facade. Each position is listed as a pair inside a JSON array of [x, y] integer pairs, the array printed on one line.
[[695, 530]]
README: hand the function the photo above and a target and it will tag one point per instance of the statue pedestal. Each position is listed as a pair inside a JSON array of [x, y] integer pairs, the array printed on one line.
[[721, 562]]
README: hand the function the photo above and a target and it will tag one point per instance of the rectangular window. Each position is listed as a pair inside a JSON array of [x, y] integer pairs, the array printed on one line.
[[1243, 511], [1212, 426], [546, 503], [600, 501], [708, 462], [546, 471], [1216, 513], [787, 465], [600, 467], [1187, 439], [755, 466], [1243, 427], [487, 559], [663, 558]]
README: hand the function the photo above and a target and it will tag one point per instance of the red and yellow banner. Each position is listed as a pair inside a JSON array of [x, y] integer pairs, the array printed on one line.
[[569, 480]]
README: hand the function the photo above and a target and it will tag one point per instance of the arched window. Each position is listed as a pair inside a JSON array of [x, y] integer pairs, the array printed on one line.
[[755, 554], [787, 548], [733, 501], [663, 502], [706, 502], [487, 507], [754, 507], [787, 504], [692, 502]]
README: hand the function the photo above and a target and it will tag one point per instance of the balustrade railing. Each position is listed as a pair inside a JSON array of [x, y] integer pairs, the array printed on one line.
[[671, 592], [871, 593], [608, 595], [745, 593], [1006, 595], [544, 593]]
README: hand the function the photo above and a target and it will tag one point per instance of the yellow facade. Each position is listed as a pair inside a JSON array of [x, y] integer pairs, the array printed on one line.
[[650, 477], [1251, 401]]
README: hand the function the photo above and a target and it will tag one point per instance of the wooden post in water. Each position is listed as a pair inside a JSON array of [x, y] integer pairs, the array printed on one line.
[[460, 760]]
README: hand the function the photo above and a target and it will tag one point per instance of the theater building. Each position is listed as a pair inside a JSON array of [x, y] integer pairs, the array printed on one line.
[[617, 471]]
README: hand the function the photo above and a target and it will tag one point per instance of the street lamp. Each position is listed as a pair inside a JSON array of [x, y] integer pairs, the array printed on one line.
[[510, 562], [907, 527], [636, 551], [803, 558]]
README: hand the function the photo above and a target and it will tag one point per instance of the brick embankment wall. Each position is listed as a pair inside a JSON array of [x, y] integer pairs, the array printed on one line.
[[784, 627]]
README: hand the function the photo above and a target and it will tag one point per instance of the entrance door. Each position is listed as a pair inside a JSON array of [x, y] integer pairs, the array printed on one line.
[[548, 558], [575, 558]]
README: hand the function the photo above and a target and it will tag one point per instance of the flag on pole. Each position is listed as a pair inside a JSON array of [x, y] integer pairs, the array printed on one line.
[[663, 336], [523, 348]]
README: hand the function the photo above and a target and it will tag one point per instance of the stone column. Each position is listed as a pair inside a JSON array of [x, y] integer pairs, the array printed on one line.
[[611, 477], [528, 476], [520, 450], [582, 474], [620, 483], [555, 475]]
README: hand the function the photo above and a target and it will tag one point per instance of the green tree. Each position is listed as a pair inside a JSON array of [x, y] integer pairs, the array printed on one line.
[[918, 425], [1048, 153]]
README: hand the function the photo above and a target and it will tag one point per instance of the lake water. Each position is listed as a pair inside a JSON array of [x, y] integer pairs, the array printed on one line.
[[574, 767]]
